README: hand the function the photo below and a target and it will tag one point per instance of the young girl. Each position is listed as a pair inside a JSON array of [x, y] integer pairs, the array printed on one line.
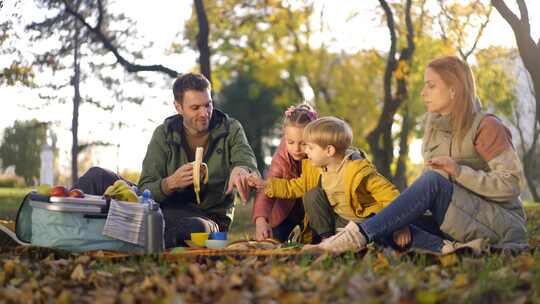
[[275, 218]]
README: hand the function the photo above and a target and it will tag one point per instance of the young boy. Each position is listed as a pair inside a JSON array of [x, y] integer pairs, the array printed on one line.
[[338, 184]]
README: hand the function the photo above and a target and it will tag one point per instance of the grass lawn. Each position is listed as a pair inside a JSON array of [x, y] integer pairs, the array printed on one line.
[[10, 199], [379, 276]]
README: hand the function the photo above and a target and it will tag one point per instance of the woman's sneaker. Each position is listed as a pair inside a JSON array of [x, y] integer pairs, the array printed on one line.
[[476, 247], [348, 239]]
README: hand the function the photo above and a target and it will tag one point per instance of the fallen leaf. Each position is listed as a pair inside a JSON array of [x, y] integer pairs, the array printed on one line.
[[235, 296], [427, 297], [266, 286], [147, 283], [235, 280], [461, 280], [196, 273], [83, 259], [501, 274], [64, 297], [9, 269], [381, 262], [104, 274], [78, 273], [123, 270], [449, 260], [292, 297], [524, 262]]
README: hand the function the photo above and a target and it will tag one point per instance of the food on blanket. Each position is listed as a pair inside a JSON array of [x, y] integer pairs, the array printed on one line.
[[250, 244], [197, 164], [44, 189], [60, 191], [121, 191], [75, 192]]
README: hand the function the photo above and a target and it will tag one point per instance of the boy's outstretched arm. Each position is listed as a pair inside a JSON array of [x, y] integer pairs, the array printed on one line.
[[286, 188]]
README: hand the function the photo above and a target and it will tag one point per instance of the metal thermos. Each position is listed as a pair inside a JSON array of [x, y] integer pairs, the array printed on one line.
[[154, 229]]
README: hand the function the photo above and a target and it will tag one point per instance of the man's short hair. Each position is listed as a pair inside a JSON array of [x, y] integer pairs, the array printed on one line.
[[189, 82], [327, 131]]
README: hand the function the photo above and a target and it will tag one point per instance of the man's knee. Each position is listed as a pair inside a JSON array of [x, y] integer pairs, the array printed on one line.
[[94, 172]]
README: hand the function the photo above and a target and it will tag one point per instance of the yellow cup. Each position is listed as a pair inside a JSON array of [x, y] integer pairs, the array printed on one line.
[[199, 238]]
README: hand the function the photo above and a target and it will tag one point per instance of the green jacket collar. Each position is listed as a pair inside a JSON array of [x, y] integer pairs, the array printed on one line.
[[219, 126]]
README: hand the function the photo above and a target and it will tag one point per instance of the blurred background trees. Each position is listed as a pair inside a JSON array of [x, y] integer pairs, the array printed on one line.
[[262, 56]]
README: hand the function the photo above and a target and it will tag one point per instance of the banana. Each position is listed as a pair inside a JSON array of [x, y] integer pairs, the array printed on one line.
[[121, 191], [197, 164]]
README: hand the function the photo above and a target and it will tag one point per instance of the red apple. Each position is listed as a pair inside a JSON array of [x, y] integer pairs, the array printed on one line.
[[76, 193], [58, 191]]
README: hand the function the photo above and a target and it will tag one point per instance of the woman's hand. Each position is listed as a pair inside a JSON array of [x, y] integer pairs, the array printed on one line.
[[263, 230], [402, 237], [444, 163]]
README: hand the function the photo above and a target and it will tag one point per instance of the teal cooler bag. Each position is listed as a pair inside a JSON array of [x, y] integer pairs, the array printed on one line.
[[72, 224]]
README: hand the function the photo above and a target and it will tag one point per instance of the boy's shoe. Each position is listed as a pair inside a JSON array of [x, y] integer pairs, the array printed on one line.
[[8, 238], [348, 239]]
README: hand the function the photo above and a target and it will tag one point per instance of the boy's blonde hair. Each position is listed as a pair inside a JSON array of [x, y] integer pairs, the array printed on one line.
[[328, 131]]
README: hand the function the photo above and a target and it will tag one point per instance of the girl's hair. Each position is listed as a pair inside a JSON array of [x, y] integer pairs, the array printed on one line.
[[456, 74], [299, 115]]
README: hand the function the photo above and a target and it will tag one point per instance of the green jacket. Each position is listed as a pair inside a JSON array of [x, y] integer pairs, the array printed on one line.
[[227, 148]]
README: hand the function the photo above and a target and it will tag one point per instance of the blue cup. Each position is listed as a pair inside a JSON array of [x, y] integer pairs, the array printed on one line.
[[218, 235]]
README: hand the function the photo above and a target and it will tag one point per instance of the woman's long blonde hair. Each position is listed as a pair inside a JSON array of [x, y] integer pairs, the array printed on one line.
[[456, 74]]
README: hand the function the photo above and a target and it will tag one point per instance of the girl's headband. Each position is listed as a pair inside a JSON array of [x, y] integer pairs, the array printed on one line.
[[311, 114]]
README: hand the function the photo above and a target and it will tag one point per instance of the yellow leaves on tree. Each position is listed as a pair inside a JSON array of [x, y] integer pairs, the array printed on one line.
[[402, 70]]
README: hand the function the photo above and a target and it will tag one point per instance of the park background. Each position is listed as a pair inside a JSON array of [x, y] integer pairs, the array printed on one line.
[[85, 82]]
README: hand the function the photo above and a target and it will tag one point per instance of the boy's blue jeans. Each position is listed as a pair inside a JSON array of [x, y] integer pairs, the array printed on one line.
[[430, 192]]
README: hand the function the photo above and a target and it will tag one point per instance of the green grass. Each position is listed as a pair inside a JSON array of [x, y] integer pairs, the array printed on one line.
[[242, 226], [10, 199]]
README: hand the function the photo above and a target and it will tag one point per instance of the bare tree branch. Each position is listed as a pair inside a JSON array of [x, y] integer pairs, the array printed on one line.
[[202, 40], [100, 14], [507, 14], [479, 34], [524, 15], [107, 44]]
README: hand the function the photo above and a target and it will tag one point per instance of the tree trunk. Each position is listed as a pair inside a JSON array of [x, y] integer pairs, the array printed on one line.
[[529, 172], [202, 40], [380, 139], [400, 179], [76, 102], [529, 50]]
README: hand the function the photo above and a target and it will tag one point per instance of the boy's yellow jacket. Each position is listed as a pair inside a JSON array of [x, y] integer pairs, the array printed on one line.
[[366, 190]]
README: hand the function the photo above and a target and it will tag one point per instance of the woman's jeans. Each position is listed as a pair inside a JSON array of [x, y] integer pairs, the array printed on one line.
[[430, 192]]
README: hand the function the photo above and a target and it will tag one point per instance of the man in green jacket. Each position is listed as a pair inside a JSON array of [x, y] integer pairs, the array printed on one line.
[[167, 168]]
